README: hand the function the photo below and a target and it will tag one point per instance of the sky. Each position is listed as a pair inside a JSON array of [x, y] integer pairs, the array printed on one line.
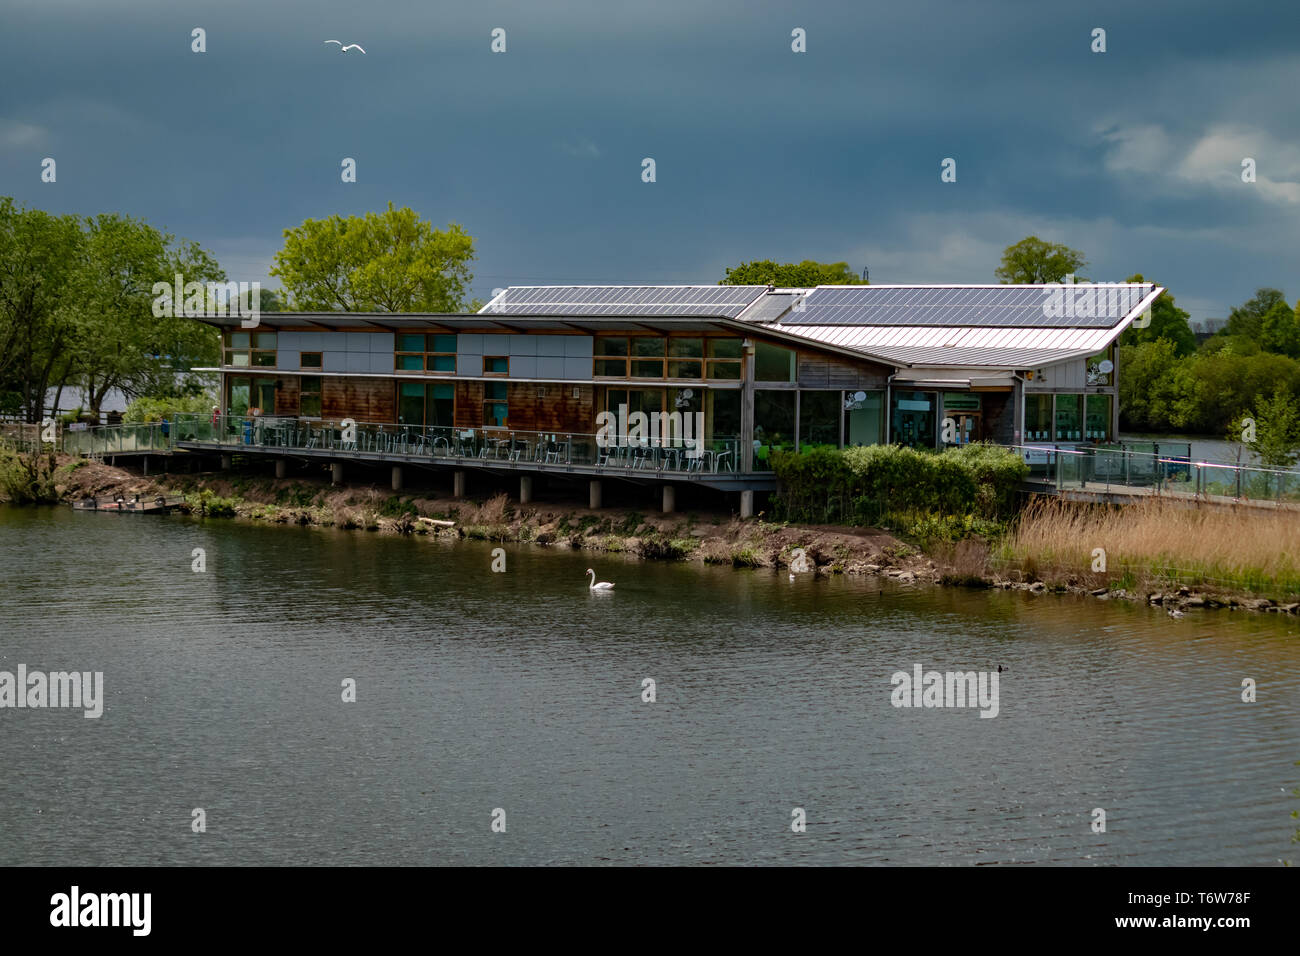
[[1133, 156]]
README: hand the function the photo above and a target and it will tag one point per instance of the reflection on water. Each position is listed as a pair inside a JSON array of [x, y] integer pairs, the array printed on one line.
[[522, 690]]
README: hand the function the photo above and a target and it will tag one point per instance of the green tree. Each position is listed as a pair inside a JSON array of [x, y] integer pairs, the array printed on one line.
[[120, 343], [791, 275], [1168, 322], [1277, 429], [1154, 389], [1247, 319], [1033, 260], [1279, 330], [382, 262], [270, 300], [38, 252]]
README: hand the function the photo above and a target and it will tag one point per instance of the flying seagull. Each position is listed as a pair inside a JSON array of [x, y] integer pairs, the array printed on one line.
[[344, 49]]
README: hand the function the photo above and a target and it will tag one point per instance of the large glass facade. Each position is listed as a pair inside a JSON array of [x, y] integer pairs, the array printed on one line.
[[773, 363]]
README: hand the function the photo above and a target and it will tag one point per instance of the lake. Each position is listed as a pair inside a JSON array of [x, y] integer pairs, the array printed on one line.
[[522, 691]]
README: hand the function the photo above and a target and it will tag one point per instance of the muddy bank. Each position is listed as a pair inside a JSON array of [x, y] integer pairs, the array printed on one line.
[[693, 536]]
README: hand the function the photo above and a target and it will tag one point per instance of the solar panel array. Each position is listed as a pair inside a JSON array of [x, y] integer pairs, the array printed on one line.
[[970, 306], [721, 300]]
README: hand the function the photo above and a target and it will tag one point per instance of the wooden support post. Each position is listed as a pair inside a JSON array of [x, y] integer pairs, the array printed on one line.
[[593, 494], [397, 477], [747, 504], [458, 484], [525, 489], [227, 461], [281, 468], [336, 473], [670, 499]]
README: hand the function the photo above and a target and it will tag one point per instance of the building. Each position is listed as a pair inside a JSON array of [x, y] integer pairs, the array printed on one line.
[[695, 384]]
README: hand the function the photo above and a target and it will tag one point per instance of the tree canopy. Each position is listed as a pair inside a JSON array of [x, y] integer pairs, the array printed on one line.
[[792, 275], [75, 308], [1033, 260], [391, 261], [1168, 322]]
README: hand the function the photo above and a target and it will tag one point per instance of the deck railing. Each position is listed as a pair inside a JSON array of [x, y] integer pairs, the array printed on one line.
[[489, 445], [1102, 467]]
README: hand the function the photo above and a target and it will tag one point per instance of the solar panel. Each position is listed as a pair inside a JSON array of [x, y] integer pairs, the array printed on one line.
[[1099, 305], [724, 300]]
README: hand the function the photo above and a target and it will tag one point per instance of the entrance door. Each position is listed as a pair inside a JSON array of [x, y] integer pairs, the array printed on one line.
[[969, 427]]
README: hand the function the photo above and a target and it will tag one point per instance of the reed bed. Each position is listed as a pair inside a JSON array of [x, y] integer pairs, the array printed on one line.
[[1159, 542]]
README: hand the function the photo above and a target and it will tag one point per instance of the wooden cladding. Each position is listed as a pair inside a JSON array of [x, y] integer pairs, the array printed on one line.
[[817, 370], [361, 399]]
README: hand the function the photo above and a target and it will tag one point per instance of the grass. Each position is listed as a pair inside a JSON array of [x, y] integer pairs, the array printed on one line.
[[1160, 543]]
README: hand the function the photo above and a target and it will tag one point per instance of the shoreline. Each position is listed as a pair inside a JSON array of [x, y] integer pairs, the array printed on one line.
[[710, 538]]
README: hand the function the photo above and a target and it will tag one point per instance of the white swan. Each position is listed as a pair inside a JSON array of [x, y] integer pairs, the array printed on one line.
[[598, 585]]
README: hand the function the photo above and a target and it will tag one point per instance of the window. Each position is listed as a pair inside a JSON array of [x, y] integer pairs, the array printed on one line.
[[773, 363], [685, 357], [724, 358], [1038, 418], [244, 349], [496, 365], [864, 418], [309, 389], [495, 408], [422, 404], [773, 426], [309, 360], [418, 352], [819, 419], [1097, 418], [1069, 418], [912, 419], [649, 356]]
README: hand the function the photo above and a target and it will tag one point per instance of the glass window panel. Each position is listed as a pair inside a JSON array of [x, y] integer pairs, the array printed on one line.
[[606, 345], [864, 418], [685, 348], [724, 370], [410, 343], [240, 340], [1038, 418], [773, 426], [263, 340], [685, 369], [442, 343], [643, 345], [309, 404], [240, 395], [773, 363], [495, 390], [442, 406], [495, 365], [494, 414], [819, 419], [614, 367], [441, 392], [1069, 418], [1098, 418], [309, 360], [722, 413], [641, 368], [410, 363], [239, 359], [912, 419], [410, 403], [442, 363], [264, 359], [724, 348]]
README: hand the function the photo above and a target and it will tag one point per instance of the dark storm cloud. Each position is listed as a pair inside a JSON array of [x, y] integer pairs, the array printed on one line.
[[1132, 156]]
